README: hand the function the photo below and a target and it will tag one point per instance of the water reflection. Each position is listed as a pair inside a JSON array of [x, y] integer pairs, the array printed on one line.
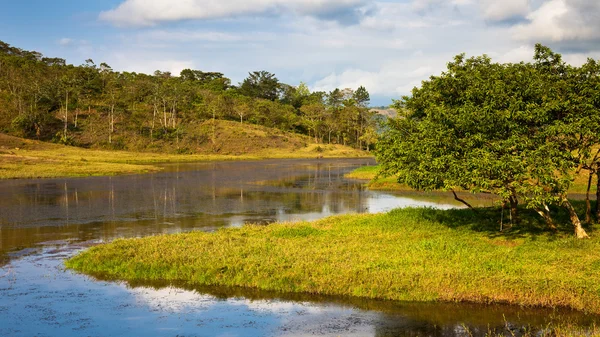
[[55, 302], [187, 197], [44, 221], [322, 315]]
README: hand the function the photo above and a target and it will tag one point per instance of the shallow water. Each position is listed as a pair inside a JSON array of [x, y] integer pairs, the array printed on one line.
[[42, 222]]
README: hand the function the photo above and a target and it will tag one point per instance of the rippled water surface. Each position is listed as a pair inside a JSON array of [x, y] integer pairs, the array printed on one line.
[[42, 222]]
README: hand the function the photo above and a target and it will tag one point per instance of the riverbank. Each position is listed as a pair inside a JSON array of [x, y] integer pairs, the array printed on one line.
[[407, 255], [369, 173], [24, 158]]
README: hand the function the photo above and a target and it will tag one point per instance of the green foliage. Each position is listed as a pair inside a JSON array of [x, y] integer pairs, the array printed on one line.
[[43, 96], [261, 84], [514, 130]]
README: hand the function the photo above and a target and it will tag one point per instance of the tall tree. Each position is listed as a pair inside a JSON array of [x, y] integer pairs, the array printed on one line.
[[261, 84]]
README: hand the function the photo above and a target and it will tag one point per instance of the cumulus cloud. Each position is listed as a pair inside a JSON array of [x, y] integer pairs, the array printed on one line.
[[422, 6], [191, 35], [568, 23], [498, 11], [393, 79], [388, 16], [148, 13], [393, 46], [134, 61], [515, 55]]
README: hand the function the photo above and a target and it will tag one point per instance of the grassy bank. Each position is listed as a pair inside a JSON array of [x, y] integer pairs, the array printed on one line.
[[391, 184], [408, 254], [23, 158]]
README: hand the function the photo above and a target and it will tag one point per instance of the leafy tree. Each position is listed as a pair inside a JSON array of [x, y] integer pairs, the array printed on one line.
[[486, 127], [261, 84], [583, 125], [362, 97]]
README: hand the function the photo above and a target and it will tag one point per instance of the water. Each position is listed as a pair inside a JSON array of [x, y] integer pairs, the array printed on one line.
[[42, 222]]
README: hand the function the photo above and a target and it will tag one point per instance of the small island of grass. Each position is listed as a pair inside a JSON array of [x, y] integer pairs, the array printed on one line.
[[407, 254]]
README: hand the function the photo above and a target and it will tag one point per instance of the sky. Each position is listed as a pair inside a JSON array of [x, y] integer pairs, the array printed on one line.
[[387, 46]]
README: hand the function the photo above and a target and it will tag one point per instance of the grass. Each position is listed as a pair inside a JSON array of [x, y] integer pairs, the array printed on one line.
[[390, 183], [407, 255], [22, 158]]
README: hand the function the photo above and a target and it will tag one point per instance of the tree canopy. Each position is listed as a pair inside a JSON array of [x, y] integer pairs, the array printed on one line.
[[519, 131]]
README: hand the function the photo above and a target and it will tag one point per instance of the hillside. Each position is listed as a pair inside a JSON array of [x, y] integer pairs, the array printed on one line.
[[94, 106], [229, 138], [25, 158]]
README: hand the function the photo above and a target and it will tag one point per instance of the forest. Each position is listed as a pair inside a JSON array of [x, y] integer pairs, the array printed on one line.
[[92, 105]]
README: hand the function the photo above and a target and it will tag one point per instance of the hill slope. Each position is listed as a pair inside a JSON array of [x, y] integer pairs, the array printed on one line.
[[24, 158], [219, 137]]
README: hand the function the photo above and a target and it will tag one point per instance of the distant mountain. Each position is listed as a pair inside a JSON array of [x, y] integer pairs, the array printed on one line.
[[385, 112]]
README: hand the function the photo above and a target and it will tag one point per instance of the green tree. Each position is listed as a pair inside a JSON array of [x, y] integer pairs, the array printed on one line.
[[261, 84], [485, 127]]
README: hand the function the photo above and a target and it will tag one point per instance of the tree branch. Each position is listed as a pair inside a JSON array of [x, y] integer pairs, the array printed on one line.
[[462, 200]]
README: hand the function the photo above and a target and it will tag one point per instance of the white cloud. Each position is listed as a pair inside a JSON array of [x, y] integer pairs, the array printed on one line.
[[495, 10], [134, 61], [422, 6], [390, 49], [148, 13], [387, 16], [187, 35], [65, 41], [392, 79], [563, 21], [515, 55]]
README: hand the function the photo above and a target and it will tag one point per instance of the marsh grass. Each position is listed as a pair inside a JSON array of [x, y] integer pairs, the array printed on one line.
[[407, 254]]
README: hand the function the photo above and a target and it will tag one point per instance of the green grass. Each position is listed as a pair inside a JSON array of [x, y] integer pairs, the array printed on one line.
[[23, 158], [408, 255], [391, 184]]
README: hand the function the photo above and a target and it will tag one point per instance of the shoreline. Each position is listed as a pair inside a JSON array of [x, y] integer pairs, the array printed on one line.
[[421, 255], [369, 174], [33, 159]]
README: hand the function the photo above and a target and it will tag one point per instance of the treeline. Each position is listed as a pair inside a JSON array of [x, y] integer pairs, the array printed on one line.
[[48, 99], [521, 131]]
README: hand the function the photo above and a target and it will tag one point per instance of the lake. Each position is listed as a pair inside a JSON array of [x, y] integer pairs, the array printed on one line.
[[43, 222]]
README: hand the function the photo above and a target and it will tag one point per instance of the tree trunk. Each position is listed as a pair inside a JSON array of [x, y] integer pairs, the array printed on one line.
[[579, 231], [588, 204], [174, 115], [514, 208], [598, 194], [66, 115], [545, 214], [461, 200], [155, 109], [164, 115], [213, 127], [111, 125]]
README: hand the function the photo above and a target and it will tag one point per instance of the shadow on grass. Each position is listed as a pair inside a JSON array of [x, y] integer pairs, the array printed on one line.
[[497, 223]]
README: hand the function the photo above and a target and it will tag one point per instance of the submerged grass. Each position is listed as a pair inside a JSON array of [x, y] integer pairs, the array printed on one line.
[[407, 254]]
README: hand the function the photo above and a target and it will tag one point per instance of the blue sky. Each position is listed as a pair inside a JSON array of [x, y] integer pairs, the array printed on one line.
[[387, 46]]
